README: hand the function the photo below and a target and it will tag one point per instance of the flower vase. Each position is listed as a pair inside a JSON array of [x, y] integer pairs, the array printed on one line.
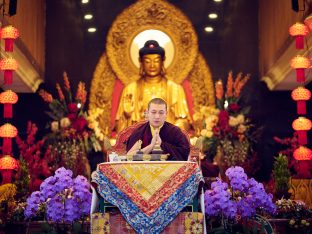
[[232, 226], [222, 165]]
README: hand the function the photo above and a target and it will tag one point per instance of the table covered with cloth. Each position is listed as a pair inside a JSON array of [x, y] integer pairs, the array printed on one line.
[[149, 195]]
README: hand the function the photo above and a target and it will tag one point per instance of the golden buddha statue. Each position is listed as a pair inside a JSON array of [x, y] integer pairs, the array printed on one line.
[[152, 83]]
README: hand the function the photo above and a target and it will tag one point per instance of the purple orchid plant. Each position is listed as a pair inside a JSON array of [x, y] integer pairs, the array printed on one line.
[[241, 197], [66, 199]]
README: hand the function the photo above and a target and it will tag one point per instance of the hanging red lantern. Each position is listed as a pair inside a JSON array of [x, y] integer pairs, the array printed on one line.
[[9, 34], [299, 31], [302, 125], [302, 153], [8, 98], [7, 132], [8, 65], [300, 63], [301, 95], [7, 165]]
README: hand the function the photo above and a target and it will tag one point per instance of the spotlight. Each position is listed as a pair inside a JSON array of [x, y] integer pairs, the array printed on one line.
[[213, 16], [88, 16], [209, 29], [84, 1], [91, 30]]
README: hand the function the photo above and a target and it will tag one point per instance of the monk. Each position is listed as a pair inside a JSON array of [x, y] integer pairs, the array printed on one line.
[[152, 84], [171, 139]]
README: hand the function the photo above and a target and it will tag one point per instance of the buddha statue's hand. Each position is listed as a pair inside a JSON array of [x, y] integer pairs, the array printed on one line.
[[128, 106]]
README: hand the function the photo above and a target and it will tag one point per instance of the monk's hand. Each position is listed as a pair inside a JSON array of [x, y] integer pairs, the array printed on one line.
[[154, 140], [158, 139], [137, 145]]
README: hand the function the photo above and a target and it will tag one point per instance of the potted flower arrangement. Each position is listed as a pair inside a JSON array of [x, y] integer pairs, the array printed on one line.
[[71, 138], [62, 199], [39, 164], [227, 132], [281, 175], [294, 216], [238, 199], [300, 169]]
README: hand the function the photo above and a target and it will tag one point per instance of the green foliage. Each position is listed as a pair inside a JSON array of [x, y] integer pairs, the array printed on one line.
[[22, 183], [281, 173]]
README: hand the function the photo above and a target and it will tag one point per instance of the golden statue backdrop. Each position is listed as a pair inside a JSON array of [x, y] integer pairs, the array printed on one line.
[[119, 66]]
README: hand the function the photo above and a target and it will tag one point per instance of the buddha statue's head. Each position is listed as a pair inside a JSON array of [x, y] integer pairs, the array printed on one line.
[[152, 57]]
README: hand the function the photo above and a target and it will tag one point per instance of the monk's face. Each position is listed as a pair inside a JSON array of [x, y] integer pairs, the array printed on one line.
[[156, 114], [152, 64]]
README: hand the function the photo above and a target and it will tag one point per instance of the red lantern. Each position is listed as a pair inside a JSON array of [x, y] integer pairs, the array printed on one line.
[[8, 65], [301, 95], [299, 31], [7, 132], [300, 63], [302, 153], [7, 165], [8, 98], [302, 125], [9, 34]]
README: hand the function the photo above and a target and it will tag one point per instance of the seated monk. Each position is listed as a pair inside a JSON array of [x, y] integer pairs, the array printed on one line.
[[152, 84], [157, 131]]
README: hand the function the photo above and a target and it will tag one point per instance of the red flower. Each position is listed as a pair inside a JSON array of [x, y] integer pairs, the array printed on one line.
[[234, 107], [223, 119], [71, 116], [216, 131], [79, 124], [72, 108]]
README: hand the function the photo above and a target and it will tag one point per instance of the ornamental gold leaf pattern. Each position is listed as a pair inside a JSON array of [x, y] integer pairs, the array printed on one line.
[[201, 84], [101, 92], [157, 15]]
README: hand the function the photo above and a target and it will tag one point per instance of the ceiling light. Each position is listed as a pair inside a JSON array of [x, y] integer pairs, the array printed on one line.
[[84, 1], [218, 0], [88, 16], [213, 16], [91, 30], [209, 29]]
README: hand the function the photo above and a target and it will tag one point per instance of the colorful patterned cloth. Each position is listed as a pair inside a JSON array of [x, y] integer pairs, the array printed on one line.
[[148, 194], [184, 223]]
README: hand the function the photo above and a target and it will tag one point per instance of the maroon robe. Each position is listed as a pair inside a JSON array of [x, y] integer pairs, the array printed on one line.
[[173, 140]]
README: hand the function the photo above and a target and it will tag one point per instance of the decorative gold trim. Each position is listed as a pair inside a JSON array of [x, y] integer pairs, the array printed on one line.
[[280, 75], [27, 78], [151, 14], [101, 93], [202, 85]]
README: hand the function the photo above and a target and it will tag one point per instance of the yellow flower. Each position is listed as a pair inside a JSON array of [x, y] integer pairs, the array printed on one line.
[[54, 126], [203, 132], [209, 134], [241, 128], [292, 222], [7, 192], [233, 121], [198, 116], [65, 122], [240, 119]]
